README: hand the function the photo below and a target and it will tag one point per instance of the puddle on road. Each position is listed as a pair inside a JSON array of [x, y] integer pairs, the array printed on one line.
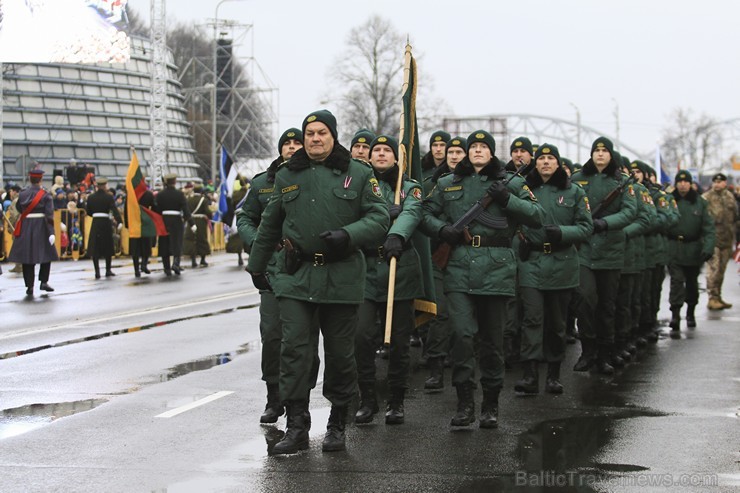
[[139, 328], [19, 420]]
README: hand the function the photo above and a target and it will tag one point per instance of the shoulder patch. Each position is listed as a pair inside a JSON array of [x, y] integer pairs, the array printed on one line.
[[582, 182], [453, 189], [375, 187], [585, 201], [289, 189], [631, 190], [416, 193], [529, 191]]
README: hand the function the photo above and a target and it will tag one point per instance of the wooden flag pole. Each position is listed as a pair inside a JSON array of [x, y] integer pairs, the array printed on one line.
[[402, 157]]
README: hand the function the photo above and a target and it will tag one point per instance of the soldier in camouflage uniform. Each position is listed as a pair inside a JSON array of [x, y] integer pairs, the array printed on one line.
[[723, 209], [325, 206]]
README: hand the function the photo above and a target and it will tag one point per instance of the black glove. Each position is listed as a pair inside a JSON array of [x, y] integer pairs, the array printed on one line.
[[393, 247], [706, 257], [337, 241], [553, 233], [451, 235], [261, 282], [395, 210], [600, 225], [499, 193]]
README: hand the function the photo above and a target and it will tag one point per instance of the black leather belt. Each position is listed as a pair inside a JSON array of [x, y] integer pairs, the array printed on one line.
[[319, 258], [549, 247], [479, 241], [682, 238]]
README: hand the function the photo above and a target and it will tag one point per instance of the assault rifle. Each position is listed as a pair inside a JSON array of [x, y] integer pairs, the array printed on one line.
[[600, 209], [478, 212]]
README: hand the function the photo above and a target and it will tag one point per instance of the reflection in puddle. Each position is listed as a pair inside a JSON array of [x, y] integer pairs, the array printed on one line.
[[19, 420], [139, 328]]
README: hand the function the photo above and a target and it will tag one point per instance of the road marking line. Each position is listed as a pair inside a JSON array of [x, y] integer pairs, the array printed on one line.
[[193, 405]]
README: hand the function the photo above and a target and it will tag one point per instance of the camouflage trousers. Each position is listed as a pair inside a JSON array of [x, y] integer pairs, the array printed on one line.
[[716, 271]]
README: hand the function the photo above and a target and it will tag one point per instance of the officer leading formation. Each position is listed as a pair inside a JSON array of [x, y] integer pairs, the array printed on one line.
[[524, 253]]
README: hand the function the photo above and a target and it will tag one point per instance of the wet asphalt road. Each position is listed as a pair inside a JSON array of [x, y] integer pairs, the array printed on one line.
[[88, 374]]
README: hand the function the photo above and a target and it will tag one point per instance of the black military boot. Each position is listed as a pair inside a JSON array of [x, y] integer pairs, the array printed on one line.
[[240, 261], [45, 286], [465, 406], [274, 409], [394, 410], [108, 268], [368, 404], [203, 262], [530, 382], [690, 318], [96, 266], [436, 374], [675, 323], [296, 434], [617, 358], [603, 362], [588, 357], [552, 382], [145, 265], [489, 409], [176, 266], [166, 266], [334, 438], [193, 262]]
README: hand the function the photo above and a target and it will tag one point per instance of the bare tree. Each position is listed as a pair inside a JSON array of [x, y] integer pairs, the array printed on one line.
[[692, 141]]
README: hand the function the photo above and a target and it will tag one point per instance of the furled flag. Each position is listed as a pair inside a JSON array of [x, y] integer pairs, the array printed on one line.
[[664, 177], [425, 307], [142, 222]]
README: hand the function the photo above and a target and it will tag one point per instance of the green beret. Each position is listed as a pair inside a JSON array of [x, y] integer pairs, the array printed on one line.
[[482, 136], [291, 133], [603, 142], [325, 117], [522, 143], [439, 136], [547, 149], [385, 139], [363, 136], [461, 142], [683, 175]]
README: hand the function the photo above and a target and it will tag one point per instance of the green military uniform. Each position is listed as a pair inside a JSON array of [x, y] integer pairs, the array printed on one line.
[[548, 271], [630, 280], [481, 273], [691, 243], [407, 288], [309, 198], [602, 257]]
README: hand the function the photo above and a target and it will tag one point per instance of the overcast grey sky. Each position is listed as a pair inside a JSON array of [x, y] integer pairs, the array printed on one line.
[[525, 56]]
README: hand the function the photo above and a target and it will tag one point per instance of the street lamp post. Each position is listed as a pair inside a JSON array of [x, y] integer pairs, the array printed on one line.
[[578, 132], [216, 77], [616, 119]]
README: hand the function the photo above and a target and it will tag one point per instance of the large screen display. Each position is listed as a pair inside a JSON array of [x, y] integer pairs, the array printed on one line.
[[63, 31]]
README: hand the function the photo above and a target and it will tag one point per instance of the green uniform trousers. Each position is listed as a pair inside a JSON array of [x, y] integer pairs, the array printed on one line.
[[623, 312], [271, 335], [439, 335], [657, 287], [366, 342], [298, 352], [598, 292], [543, 323], [485, 317], [646, 298], [684, 285]]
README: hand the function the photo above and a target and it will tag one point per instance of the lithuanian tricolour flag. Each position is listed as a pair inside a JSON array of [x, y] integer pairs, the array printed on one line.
[[142, 222]]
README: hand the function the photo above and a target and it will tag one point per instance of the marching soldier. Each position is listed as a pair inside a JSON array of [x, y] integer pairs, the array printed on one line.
[[601, 258], [439, 334], [481, 273], [691, 244], [360, 145], [436, 155], [723, 209], [548, 268], [100, 207], [196, 238], [248, 220], [34, 238], [172, 204], [407, 216], [521, 151], [325, 207]]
